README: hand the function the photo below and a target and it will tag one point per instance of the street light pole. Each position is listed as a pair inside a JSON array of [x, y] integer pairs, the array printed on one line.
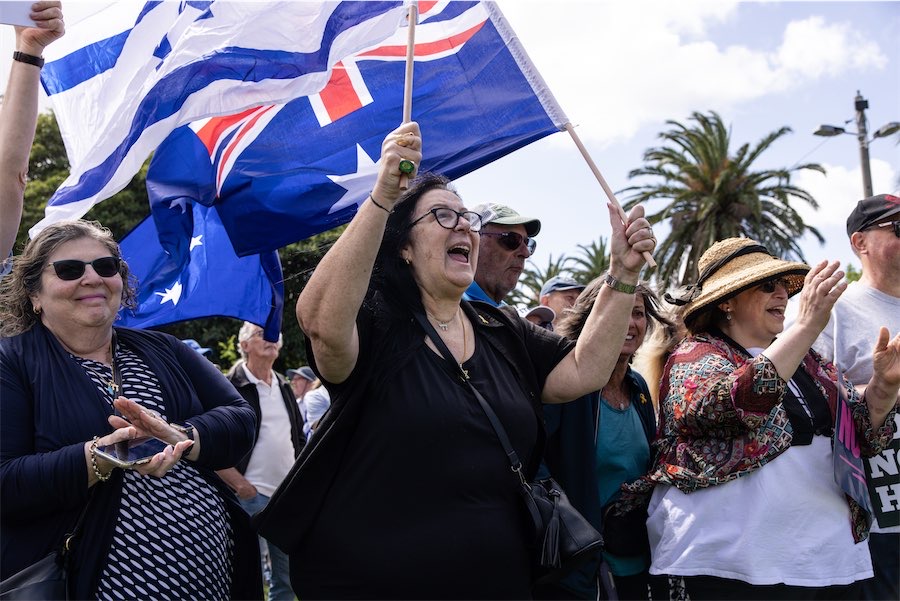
[[862, 134]]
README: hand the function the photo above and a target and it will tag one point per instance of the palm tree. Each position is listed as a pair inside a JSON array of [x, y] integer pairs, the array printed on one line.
[[592, 262], [711, 195], [528, 291]]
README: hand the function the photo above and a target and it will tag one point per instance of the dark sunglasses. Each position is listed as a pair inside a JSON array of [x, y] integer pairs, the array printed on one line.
[[448, 218], [893, 224], [72, 269], [769, 286], [512, 240]]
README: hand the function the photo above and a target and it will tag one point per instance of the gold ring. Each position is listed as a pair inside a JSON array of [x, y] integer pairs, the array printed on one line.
[[406, 166]]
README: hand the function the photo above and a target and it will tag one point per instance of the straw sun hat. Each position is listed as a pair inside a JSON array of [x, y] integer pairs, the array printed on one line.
[[728, 268]]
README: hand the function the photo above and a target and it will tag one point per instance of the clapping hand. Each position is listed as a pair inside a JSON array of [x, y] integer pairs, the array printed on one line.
[[143, 422]]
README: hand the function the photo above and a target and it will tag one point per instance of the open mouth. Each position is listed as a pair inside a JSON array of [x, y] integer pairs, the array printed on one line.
[[776, 311], [459, 253]]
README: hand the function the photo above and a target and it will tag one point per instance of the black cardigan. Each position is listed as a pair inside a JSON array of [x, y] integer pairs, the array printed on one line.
[[49, 407]]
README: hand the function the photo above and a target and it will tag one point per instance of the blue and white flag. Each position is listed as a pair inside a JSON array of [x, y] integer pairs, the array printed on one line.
[[277, 173], [123, 79]]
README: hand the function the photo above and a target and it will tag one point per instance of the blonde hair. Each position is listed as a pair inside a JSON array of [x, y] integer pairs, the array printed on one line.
[[650, 360]]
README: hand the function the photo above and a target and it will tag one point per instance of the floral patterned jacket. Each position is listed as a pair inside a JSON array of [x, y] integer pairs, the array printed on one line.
[[721, 417]]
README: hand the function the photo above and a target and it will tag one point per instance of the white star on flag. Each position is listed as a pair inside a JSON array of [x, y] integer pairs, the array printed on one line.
[[196, 241], [171, 294], [358, 184]]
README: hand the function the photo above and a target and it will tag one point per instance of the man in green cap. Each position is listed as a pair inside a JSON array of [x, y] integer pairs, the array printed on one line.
[[507, 239]]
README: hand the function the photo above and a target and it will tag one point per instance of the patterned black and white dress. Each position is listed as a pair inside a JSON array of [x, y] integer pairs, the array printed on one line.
[[172, 538]]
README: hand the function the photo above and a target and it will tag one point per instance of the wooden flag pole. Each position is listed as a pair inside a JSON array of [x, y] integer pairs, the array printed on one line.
[[408, 80], [609, 193]]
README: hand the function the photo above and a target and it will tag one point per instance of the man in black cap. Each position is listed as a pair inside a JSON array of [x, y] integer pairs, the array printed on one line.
[[848, 340]]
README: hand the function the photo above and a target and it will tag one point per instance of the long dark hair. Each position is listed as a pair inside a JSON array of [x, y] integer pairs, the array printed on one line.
[[391, 276]]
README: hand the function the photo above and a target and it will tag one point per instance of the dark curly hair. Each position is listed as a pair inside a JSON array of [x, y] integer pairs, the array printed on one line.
[[16, 289], [391, 276]]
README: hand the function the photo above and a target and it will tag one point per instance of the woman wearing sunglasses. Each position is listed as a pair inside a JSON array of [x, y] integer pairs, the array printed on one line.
[[72, 384], [750, 500], [404, 490]]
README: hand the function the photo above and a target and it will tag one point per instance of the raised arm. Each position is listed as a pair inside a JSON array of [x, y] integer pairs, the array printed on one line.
[[18, 117], [328, 306], [821, 289], [589, 365]]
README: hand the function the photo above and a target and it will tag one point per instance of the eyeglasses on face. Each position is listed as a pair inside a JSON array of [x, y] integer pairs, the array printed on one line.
[[512, 240], [448, 218], [769, 286], [892, 224], [72, 269]]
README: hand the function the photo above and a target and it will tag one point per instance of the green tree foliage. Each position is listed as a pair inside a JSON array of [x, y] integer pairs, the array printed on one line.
[[710, 194], [591, 262], [853, 274], [49, 167], [528, 291]]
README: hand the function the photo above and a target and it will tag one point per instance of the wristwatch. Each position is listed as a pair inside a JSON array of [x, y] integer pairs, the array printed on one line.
[[187, 429], [618, 286]]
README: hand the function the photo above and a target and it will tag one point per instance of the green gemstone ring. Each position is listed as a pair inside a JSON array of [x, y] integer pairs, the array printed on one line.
[[406, 166]]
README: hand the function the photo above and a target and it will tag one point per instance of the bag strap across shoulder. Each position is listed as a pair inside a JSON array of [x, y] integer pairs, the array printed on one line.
[[511, 454]]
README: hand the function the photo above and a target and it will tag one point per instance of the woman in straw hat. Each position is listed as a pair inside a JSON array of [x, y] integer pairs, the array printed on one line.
[[736, 399]]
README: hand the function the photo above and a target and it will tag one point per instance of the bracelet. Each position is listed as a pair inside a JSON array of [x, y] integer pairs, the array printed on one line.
[[97, 471], [383, 208], [31, 59], [618, 286], [188, 430]]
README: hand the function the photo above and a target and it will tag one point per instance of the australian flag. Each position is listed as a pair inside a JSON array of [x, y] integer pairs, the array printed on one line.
[[275, 174]]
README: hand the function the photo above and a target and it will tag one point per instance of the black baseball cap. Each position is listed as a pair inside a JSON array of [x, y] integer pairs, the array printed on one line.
[[872, 210]]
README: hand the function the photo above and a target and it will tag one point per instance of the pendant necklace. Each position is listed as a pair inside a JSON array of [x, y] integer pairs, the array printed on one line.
[[465, 347], [111, 383], [443, 325]]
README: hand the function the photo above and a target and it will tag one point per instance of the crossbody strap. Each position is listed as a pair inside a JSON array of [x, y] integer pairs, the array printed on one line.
[[511, 454]]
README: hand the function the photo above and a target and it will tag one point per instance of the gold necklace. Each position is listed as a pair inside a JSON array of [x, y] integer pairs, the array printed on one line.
[[111, 387], [465, 345]]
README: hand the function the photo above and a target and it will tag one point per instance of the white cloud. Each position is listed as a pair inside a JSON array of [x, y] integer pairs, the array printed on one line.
[[838, 191], [812, 49], [617, 66]]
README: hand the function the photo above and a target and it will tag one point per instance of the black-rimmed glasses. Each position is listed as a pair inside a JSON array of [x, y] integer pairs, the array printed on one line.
[[512, 240], [770, 286], [894, 224], [448, 218], [72, 269]]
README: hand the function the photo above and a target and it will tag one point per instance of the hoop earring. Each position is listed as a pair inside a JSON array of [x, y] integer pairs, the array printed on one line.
[[728, 315], [407, 261], [37, 310]]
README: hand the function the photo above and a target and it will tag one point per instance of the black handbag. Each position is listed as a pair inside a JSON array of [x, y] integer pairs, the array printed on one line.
[[625, 534], [564, 539], [47, 578]]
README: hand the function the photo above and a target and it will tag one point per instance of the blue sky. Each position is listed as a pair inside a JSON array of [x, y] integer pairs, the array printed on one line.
[[621, 69]]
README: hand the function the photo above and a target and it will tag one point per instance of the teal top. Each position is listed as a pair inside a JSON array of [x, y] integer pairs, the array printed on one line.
[[622, 455]]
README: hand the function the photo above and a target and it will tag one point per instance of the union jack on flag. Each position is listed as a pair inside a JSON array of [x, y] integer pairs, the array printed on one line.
[[278, 173]]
